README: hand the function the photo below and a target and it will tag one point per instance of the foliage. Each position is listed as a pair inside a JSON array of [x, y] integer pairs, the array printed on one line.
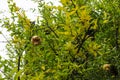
[[75, 41]]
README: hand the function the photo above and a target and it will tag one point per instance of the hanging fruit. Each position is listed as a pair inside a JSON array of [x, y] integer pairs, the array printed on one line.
[[36, 40]]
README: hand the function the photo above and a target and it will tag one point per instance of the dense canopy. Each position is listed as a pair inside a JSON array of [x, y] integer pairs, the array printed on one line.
[[78, 40]]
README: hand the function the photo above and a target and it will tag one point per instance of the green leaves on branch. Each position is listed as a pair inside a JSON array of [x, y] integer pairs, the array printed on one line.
[[69, 42]]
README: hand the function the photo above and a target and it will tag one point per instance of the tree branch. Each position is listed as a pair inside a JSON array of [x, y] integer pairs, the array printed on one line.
[[117, 32], [19, 55]]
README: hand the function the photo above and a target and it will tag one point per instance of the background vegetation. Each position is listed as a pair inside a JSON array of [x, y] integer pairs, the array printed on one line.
[[79, 40]]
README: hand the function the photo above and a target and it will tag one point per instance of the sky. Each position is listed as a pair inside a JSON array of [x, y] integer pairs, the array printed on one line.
[[28, 6]]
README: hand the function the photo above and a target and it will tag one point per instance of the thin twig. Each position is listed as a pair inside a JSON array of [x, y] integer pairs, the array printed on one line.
[[19, 56], [3, 41], [117, 46], [51, 28]]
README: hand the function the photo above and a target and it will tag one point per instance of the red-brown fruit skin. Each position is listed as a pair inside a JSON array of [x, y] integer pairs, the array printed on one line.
[[106, 67], [36, 40]]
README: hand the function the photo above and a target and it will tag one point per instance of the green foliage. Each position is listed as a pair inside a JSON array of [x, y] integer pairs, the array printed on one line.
[[76, 41]]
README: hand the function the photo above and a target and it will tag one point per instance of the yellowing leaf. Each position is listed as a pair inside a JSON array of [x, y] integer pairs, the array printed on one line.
[[41, 76], [105, 21], [93, 48], [38, 76], [66, 33], [60, 8], [105, 15], [85, 15], [26, 27], [27, 21], [73, 11], [17, 8], [80, 54], [50, 71], [19, 15], [83, 7], [64, 2], [43, 67], [67, 19], [68, 45], [93, 52], [95, 24]]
